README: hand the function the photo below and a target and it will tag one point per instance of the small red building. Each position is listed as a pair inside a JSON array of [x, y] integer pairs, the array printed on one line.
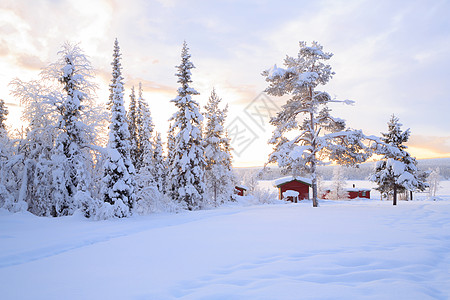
[[353, 193], [358, 193], [297, 184], [240, 190]]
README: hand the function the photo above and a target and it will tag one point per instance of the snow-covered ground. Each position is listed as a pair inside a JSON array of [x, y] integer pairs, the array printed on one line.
[[341, 250]]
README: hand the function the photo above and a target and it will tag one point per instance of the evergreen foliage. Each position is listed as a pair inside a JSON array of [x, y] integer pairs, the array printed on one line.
[[145, 127], [118, 189], [185, 180], [397, 171], [132, 127], [317, 133], [3, 113], [219, 178]]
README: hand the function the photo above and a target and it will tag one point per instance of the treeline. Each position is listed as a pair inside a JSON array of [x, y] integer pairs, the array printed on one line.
[[362, 172], [63, 161]]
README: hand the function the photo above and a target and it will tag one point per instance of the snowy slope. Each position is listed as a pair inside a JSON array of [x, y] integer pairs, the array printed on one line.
[[341, 250]]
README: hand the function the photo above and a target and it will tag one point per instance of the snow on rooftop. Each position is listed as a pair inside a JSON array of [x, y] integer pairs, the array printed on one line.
[[287, 179], [356, 189], [241, 186]]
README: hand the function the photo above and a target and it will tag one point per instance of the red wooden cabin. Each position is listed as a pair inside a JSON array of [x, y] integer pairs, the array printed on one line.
[[298, 184], [240, 190], [358, 193], [353, 193]]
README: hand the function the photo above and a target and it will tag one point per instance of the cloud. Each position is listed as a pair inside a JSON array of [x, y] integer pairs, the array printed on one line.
[[29, 61], [435, 144]]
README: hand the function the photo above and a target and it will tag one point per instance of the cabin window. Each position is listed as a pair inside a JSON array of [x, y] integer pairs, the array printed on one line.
[[363, 193]]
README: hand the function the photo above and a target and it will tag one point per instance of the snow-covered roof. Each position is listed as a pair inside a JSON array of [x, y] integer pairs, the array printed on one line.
[[241, 186], [356, 189], [287, 179]]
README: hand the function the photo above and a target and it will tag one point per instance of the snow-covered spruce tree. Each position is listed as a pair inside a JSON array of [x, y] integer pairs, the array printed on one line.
[[132, 127], [306, 114], [146, 186], [6, 198], [185, 179], [219, 177], [74, 72], [397, 171], [159, 164], [118, 182], [63, 118], [3, 113], [338, 191], [145, 127]]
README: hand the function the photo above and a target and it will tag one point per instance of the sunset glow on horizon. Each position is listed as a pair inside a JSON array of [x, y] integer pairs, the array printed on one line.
[[390, 57]]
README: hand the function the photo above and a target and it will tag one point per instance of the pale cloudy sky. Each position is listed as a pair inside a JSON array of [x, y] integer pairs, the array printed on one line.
[[389, 56]]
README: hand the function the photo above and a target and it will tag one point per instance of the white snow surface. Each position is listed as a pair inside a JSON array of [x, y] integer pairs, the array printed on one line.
[[290, 193], [340, 250]]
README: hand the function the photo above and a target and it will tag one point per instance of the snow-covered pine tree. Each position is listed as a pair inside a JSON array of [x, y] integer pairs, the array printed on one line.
[[219, 179], [63, 118], [159, 164], [74, 72], [118, 182], [6, 199], [146, 181], [338, 191], [170, 158], [185, 180], [145, 127], [3, 113], [132, 127], [397, 170], [306, 113]]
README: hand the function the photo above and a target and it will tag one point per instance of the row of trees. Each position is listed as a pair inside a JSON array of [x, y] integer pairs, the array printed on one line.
[[60, 164], [307, 135]]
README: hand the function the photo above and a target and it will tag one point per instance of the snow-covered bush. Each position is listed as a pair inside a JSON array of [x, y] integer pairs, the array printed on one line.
[[151, 200], [259, 196]]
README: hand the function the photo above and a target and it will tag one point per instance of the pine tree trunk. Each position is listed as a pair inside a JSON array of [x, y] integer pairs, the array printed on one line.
[[314, 184], [410, 195], [395, 196]]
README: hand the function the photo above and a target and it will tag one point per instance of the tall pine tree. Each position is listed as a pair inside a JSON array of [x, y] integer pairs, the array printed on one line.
[[219, 177], [159, 164], [144, 127], [74, 77], [185, 182], [306, 132], [3, 113], [118, 189], [132, 127]]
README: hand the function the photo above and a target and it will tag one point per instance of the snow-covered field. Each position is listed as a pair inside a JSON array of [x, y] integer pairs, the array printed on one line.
[[341, 250]]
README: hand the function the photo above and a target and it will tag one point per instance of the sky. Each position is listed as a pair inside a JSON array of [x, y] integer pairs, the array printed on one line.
[[390, 57]]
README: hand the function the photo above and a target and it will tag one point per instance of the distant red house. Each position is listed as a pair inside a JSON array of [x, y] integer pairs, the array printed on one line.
[[288, 185], [353, 193], [358, 193], [240, 190]]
